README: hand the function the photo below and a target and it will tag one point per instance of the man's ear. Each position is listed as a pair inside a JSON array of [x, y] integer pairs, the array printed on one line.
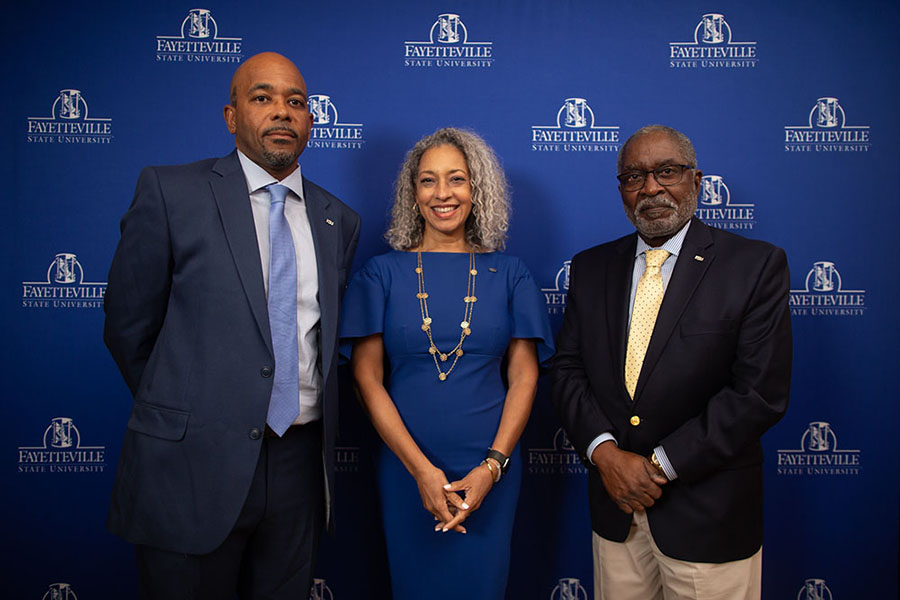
[[228, 113]]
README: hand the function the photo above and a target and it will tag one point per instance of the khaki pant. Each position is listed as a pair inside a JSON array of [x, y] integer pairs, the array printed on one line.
[[636, 570]]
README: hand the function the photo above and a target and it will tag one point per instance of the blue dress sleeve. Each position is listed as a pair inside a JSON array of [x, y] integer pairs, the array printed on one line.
[[529, 313], [362, 312]]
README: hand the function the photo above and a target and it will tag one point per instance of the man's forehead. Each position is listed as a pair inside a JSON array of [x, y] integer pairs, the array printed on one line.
[[260, 71], [651, 151], [652, 162], [264, 85]]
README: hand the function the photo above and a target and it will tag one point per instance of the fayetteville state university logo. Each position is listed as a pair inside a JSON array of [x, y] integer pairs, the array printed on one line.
[[64, 287], [569, 588], [814, 589], [59, 591], [575, 131], [198, 41], [826, 131], [320, 591], [823, 294], [346, 459], [819, 454], [328, 132], [717, 209], [448, 46], [69, 123], [560, 459], [712, 48], [61, 451], [555, 296]]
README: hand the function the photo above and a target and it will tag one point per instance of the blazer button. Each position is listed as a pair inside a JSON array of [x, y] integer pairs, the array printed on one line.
[[266, 371], [635, 420], [255, 434]]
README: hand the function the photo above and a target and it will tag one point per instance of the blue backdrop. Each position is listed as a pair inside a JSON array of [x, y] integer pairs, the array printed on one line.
[[791, 107]]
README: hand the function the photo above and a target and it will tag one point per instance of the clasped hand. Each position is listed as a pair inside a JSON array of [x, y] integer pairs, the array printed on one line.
[[452, 502], [630, 480]]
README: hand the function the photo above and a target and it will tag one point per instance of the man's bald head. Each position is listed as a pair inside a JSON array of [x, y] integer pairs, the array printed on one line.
[[261, 60], [268, 114]]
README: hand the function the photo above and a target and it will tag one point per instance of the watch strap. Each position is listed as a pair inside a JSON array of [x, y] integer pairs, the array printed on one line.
[[502, 459]]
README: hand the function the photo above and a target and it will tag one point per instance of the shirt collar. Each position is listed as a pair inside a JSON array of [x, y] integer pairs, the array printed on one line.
[[672, 245], [257, 177]]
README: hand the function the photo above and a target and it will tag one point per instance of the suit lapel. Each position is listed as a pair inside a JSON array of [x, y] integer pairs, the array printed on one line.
[[618, 293], [697, 253], [229, 188], [324, 224]]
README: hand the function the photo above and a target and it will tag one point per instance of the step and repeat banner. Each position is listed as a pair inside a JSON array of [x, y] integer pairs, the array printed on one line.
[[791, 107]]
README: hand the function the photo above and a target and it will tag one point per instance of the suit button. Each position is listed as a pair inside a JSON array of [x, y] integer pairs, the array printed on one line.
[[255, 434], [266, 371], [635, 420]]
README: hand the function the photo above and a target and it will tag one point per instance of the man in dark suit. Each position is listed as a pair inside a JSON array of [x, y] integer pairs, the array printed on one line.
[[673, 359], [224, 293]]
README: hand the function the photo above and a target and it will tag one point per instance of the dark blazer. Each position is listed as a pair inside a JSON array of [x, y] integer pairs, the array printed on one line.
[[716, 376], [187, 324]]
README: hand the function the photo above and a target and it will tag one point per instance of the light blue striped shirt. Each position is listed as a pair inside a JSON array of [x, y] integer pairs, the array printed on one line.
[[673, 247]]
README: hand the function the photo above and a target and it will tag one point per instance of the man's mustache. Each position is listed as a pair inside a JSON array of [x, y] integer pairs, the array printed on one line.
[[658, 201], [280, 128]]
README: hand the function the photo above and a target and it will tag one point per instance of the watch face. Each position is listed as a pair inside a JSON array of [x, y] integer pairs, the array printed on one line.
[[501, 459]]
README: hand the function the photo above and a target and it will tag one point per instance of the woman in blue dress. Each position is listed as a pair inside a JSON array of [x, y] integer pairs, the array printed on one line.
[[463, 329]]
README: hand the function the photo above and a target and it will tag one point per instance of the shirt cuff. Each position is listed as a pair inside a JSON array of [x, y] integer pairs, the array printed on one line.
[[603, 437], [667, 467]]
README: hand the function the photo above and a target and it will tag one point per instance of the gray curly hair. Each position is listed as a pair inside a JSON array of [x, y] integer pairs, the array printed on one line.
[[682, 141], [487, 226]]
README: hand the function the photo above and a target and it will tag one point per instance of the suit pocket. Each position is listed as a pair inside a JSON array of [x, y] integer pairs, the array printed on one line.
[[708, 327], [158, 422]]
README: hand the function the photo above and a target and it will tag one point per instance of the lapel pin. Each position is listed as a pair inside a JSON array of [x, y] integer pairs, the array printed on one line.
[[330, 222], [698, 258], [492, 269]]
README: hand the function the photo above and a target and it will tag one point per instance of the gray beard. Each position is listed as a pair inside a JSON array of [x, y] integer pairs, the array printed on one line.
[[662, 227]]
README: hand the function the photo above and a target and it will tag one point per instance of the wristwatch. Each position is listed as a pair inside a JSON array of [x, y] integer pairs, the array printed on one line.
[[655, 462], [502, 459]]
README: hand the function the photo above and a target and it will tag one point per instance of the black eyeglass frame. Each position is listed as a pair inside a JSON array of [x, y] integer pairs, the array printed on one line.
[[655, 172]]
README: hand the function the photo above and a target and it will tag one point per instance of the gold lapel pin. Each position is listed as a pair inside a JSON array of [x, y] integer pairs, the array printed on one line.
[[330, 222], [492, 269], [698, 258]]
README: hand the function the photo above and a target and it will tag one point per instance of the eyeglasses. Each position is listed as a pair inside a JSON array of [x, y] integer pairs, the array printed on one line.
[[632, 181]]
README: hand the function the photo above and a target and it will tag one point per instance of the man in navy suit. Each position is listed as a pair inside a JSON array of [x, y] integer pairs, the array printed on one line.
[[670, 429], [216, 501]]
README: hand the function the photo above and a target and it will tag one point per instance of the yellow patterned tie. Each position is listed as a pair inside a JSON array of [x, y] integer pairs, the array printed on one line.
[[647, 299]]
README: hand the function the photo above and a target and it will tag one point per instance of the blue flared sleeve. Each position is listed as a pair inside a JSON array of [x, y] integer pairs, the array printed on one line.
[[529, 313], [362, 312]]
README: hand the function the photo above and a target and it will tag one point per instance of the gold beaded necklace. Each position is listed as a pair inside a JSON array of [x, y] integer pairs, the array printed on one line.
[[464, 326]]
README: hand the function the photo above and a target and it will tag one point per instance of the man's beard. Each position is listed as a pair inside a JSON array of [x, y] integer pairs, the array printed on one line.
[[662, 227], [279, 159]]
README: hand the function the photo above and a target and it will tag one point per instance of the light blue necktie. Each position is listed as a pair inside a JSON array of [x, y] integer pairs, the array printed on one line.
[[284, 405]]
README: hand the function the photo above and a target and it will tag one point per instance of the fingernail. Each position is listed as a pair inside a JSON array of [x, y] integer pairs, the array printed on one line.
[[444, 530], [447, 486], [465, 506]]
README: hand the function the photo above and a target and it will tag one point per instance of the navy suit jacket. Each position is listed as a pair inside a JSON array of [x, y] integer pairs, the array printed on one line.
[[715, 377], [187, 324]]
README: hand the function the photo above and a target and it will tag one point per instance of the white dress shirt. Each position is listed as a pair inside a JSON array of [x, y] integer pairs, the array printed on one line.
[[673, 246], [308, 313]]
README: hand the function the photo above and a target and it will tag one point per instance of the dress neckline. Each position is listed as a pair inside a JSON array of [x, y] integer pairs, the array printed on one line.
[[413, 252]]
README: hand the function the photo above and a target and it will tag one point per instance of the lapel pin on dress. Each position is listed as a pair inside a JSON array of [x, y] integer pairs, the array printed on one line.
[[698, 258], [330, 222]]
